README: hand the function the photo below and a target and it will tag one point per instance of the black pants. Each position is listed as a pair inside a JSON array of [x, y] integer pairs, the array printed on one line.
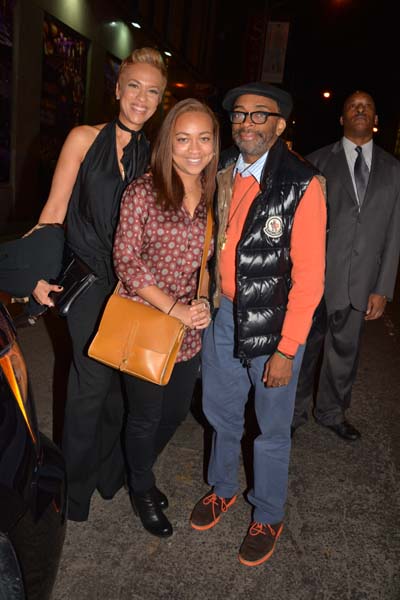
[[154, 414], [329, 366], [93, 414], [308, 378], [339, 365]]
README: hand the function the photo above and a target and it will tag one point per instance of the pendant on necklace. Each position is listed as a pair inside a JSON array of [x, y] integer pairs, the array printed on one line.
[[222, 242]]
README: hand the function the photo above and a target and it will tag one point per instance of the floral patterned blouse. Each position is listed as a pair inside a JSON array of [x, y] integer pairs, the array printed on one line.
[[160, 247]]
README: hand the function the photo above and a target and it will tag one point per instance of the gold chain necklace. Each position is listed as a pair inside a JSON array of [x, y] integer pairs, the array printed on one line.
[[230, 217]]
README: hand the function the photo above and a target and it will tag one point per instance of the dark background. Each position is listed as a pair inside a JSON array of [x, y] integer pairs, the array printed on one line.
[[338, 45]]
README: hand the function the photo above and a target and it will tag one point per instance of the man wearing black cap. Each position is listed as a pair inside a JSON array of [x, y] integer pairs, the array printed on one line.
[[267, 281]]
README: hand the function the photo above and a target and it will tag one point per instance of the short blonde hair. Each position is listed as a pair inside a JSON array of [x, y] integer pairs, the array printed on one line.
[[148, 56]]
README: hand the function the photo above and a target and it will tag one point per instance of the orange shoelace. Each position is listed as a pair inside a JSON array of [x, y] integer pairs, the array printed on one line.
[[258, 528], [213, 499]]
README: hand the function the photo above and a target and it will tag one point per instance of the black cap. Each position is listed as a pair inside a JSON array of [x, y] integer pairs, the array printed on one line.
[[259, 88]]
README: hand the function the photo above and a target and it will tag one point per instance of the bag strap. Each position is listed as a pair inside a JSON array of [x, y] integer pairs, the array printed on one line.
[[206, 247]]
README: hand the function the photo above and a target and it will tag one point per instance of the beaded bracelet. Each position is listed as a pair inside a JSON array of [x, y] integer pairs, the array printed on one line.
[[287, 356]]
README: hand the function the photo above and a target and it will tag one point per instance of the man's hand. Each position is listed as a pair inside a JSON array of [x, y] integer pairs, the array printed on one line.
[[42, 291], [278, 371], [376, 307]]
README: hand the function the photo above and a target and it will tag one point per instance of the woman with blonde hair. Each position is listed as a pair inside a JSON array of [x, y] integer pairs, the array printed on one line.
[[95, 166]]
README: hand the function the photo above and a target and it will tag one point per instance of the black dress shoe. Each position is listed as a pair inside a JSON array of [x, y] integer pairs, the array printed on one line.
[[160, 498], [153, 519], [345, 430]]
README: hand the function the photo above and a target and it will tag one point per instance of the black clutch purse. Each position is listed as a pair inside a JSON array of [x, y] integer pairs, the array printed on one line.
[[76, 277]]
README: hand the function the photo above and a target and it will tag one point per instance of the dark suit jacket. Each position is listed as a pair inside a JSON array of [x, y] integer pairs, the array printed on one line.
[[363, 246]]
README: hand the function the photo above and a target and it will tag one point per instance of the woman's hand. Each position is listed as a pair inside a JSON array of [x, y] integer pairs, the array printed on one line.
[[194, 316], [200, 313], [183, 313], [42, 291]]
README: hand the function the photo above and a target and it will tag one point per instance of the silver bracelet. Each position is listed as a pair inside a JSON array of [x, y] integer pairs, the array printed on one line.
[[206, 301]]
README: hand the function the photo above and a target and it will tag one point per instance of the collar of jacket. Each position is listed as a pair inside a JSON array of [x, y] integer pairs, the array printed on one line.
[[274, 162]]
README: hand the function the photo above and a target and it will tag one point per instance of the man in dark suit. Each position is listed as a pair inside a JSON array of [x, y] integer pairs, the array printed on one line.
[[363, 192]]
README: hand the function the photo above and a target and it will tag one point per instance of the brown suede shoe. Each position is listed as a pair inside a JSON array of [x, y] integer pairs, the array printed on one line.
[[259, 543], [208, 510]]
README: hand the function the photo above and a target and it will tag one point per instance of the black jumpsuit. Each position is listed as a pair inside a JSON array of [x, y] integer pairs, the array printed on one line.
[[94, 408]]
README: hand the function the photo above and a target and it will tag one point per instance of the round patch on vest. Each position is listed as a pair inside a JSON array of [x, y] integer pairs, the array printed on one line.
[[273, 227]]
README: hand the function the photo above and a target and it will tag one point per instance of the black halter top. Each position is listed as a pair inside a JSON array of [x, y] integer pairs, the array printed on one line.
[[94, 205]]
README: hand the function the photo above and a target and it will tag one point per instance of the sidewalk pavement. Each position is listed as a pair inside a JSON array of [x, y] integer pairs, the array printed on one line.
[[341, 539]]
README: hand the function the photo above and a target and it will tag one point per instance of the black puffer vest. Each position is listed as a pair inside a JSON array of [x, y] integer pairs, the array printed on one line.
[[263, 265]]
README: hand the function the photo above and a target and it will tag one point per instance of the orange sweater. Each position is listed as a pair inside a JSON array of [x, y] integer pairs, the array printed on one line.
[[307, 253]]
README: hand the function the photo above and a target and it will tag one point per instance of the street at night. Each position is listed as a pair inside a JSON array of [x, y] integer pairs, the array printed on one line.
[[123, 125], [341, 536]]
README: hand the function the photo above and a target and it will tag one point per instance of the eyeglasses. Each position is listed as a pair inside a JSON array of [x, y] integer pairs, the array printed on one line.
[[258, 117]]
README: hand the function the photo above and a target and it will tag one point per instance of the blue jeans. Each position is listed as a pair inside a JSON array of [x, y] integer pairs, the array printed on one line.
[[226, 385]]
